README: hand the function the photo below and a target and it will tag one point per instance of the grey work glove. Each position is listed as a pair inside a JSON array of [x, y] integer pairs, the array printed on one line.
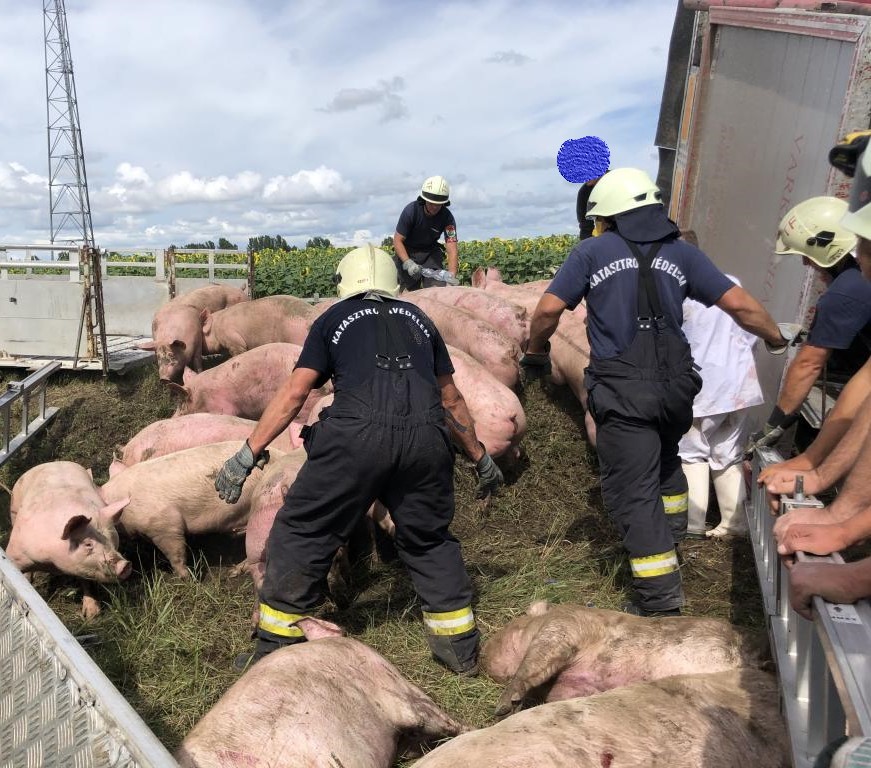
[[235, 471], [765, 437], [411, 267], [489, 477], [793, 333], [534, 365]]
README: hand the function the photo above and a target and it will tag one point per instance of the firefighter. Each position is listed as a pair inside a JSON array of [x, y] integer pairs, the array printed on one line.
[[416, 240], [386, 436], [641, 378], [839, 339]]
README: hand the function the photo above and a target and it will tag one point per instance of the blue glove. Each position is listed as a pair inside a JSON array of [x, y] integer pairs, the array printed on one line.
[[489, 477], [235, 471]]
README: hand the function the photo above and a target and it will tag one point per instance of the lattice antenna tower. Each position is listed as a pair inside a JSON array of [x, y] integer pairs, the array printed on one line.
[[70, 207]]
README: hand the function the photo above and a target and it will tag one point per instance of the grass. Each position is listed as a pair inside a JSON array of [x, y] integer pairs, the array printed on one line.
[[168, 644]]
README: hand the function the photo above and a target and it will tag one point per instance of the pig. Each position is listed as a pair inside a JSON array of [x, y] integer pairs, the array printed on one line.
[[237, 329], [176, 434], [177, 331], [323, 704], [509, 318], [174, 495], [558, 652], [461, 329], [60, 523], [500, 422], [243, 385], [727, 719]]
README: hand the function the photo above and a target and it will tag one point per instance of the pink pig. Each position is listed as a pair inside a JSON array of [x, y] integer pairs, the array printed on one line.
[[60, 523], [237, 329], [558, 652], [322, 704], [243, 385], [176, 434], [172, 496], [177, 331]]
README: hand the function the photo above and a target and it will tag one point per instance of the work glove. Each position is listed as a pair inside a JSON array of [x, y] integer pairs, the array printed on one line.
[[778, 422], [534, 365], [412, 268], [235, 471], [793, 333], [489, 477]]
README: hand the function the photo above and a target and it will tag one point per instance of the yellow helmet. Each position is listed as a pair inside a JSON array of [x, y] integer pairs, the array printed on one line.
[[813, 229], [366, 269], [436, 190], [622, 190]]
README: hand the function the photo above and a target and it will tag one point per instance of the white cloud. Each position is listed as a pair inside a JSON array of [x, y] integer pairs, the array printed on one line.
[[239, 117]]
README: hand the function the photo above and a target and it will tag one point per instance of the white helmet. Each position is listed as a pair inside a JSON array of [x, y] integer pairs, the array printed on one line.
[[858, 219], [366, 269], [436, 190], [813, 229], [622, 190]]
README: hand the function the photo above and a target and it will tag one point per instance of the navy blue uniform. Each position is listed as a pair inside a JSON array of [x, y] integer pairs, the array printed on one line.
[[422, 233], [641, 382], [383, 438], [842, 323]]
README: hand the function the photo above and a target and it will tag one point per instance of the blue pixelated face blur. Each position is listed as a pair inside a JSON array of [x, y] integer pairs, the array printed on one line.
[[584, 159]]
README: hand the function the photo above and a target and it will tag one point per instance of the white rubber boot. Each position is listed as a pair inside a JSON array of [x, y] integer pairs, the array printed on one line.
[[698, 479], [731, 493]]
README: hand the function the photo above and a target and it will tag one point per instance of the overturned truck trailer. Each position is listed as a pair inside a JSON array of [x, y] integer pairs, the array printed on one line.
[[757, 92]]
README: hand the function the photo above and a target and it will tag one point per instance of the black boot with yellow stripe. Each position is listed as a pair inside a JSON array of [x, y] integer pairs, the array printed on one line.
[[453, 638]]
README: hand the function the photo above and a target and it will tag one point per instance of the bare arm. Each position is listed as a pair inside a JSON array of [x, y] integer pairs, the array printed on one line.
[[399, 246], [544, 322], [750, 315], [282, 409], [803, 371], [835, 582], [458, 418], [453, 252]]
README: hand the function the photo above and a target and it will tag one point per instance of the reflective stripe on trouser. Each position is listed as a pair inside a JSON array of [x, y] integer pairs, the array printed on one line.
[[654, 565], [279, 623], [676, 508], [410, 469], [453, 637], [449, 622]]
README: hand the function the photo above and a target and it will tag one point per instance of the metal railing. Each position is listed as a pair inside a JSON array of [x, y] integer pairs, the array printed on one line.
[[21, 393], [824, 666], [57, 708]]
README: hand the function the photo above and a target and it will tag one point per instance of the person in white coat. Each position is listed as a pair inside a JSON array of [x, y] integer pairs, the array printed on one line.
[[714, 445]]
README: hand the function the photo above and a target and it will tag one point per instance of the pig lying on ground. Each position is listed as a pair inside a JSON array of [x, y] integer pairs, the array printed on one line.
[[509, 318], [321, 704], [722, 720], [177, 330], [476, 337], [556, 652], [61, 524], [237, 329], [243, 385], [500, 422], [176, 434], [174, 495]]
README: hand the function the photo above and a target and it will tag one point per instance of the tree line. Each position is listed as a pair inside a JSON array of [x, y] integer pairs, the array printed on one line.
[[259, 243]]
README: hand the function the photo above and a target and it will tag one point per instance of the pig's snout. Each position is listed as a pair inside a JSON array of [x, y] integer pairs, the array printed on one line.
[[123, 569]]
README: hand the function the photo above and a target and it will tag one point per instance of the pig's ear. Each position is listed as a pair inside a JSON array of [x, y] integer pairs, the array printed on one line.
[[206, 320], [314, 629], [90, 473], [178, 389], [538, 608], [113, 511], [188, 376], [178, 346], [479, 278], [149, 346], [76, 521]]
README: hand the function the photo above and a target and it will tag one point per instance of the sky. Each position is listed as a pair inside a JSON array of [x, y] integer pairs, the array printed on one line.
[[204, 119]]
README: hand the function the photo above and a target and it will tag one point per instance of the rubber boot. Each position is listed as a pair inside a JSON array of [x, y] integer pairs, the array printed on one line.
[[698, 478], [459, 653], [731, 493]]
